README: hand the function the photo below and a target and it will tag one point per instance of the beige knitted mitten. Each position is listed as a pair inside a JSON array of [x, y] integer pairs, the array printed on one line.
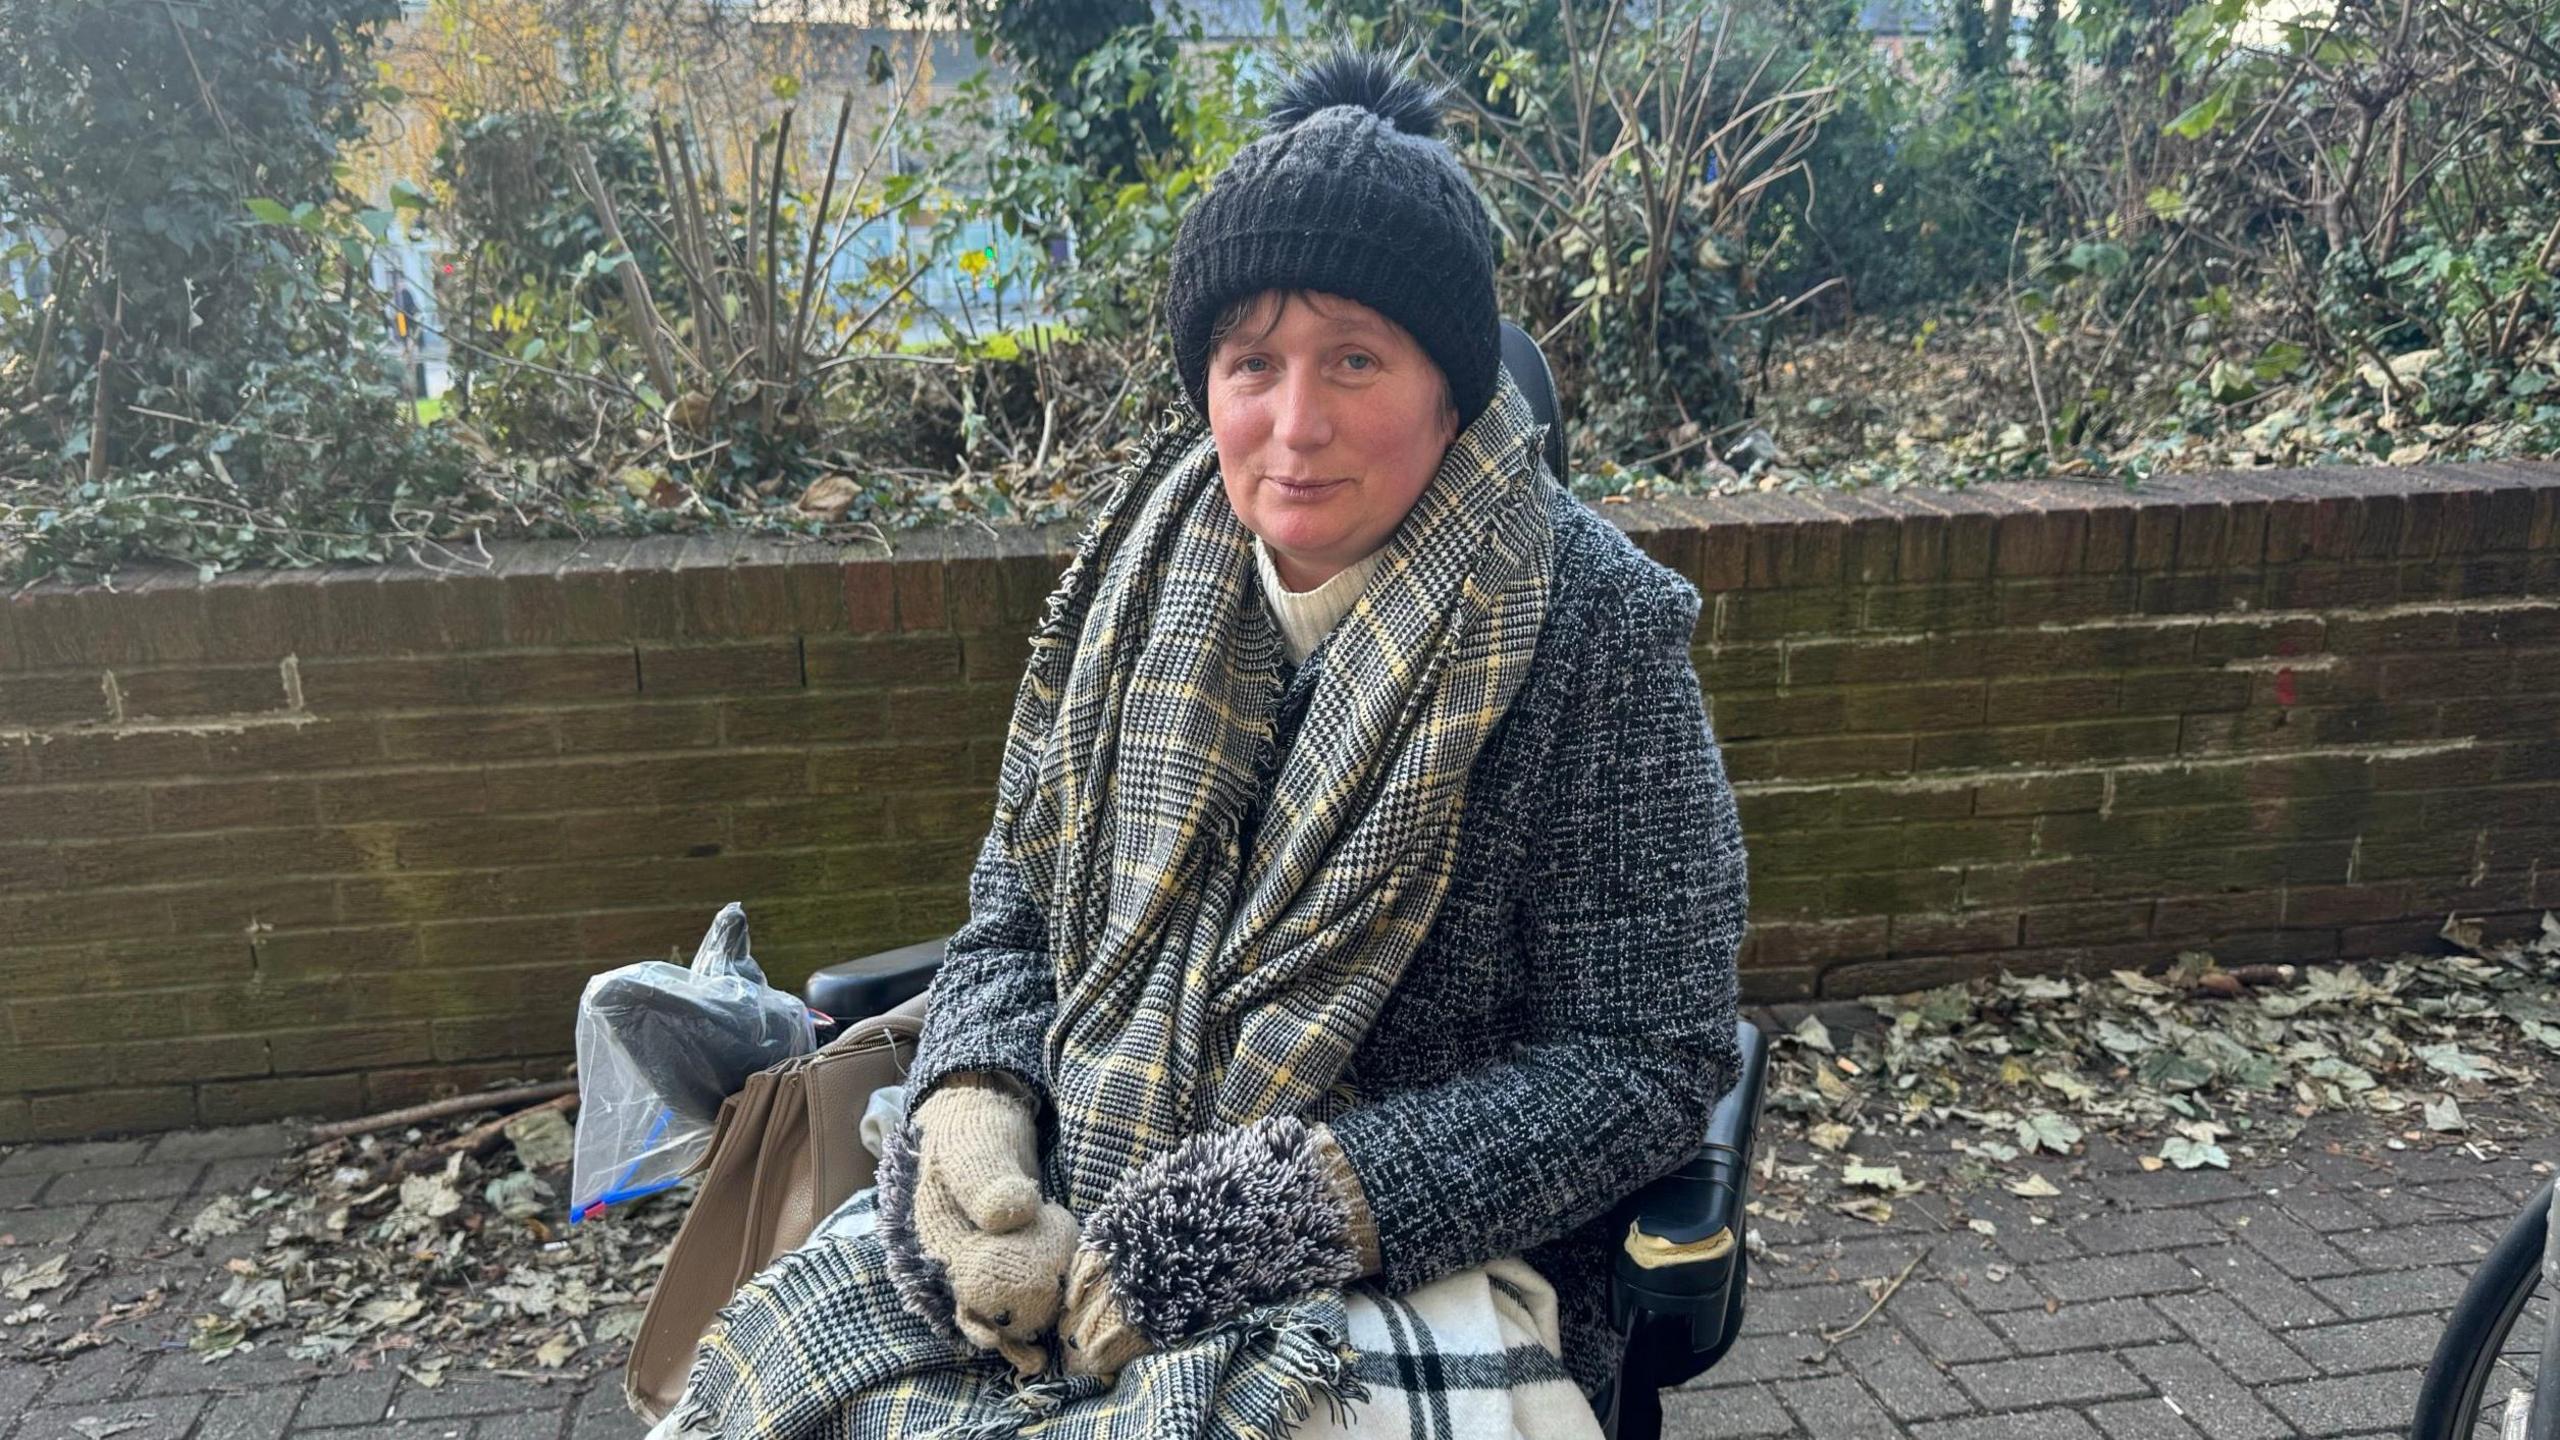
[[978, 1210]]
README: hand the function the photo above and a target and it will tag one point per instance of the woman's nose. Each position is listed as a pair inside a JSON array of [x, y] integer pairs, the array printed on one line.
[[1305, 421]]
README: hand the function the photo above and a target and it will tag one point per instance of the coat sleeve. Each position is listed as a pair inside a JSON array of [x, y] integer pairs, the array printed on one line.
[[1632, 906], [993, 998]]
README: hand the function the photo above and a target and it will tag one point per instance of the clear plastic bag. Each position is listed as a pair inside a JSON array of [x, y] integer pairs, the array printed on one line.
[[660, 1046]]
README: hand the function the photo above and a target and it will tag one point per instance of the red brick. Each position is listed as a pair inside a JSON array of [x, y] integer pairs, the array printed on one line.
[[2030, 883], [2097, 923], [72, 814], [1845, 755], [44, 702], [75, 919], [1971, 930], [2039, 794], [1769, 615], [1748, 715], [1849, 662], [2348, 904], [2176, 692], [631, 729], [1808, 852], [402, 795], [813, 588], [237, 908], [747, 775], [356, 1047], [332, 953], [2446, 673], [94, 1114], [2278, 947], [973, 595], [1736, 667], [394, 1089], [1882, 892], [2257, 636], [233, 805], [719, 669], [2186, 917], [916, 575], [942, 814], [453, 945], [304, 744], [1029, 582], [495, 1037], [698, 574], [243, 1102], [1937, 607], [539, 678], [1871, 805], [469, 610], [2315, 585], [798, 719], [2067, 601], [2374, 634], [2400, 937], [2056, 697], [784, 823], [647, 572], [835, 771], [469, 736], [2089, 647], [622, 835], [1784, 945], [2040, 541], [80, 756], [2201, 592], [187, 1058], [1766, 986], [362, 685], [870, 594], [868, 660]]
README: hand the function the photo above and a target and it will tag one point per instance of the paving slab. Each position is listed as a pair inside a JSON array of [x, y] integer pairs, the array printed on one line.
[[2144, 1306]]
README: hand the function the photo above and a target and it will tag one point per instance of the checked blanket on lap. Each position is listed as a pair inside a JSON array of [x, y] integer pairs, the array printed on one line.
[[1470, 1356]]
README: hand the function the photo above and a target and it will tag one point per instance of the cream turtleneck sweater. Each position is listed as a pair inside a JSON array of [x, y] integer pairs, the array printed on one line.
[[1305, 617]]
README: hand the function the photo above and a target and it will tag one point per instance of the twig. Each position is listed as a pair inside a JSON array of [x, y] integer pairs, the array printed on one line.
[[1834, 1337], [438, 1109], [2026, 342], [479, 1137]]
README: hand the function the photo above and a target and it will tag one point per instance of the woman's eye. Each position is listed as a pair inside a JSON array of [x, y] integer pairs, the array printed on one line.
[[1366, 361], [1248, 362]]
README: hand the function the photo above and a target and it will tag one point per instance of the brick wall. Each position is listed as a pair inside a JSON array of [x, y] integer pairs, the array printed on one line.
[[315, 843]]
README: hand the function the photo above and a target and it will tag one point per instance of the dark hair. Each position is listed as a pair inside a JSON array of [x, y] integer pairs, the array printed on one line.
[[1232, 318]]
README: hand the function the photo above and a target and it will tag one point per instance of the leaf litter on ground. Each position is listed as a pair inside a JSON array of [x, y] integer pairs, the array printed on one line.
[[2008, 1075], [342, 1258]]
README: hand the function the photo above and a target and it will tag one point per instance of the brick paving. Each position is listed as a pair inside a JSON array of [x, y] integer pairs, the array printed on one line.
[[2292, 1298]]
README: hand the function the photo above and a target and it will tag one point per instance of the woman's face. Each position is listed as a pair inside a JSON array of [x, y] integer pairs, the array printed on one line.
[[1329, 420]]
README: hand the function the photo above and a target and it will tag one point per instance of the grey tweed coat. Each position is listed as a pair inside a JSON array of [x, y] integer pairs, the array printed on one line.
[[1562, 1035]]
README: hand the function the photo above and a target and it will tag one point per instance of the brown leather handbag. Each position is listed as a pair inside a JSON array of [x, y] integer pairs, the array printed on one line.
[[785, 1152]]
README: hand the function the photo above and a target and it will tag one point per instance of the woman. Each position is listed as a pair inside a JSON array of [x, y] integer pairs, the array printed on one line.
[[1358, 922]]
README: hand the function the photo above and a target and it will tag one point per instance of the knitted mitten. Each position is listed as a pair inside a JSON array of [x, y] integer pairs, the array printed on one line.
[[972, 1248], [1195, 1237]]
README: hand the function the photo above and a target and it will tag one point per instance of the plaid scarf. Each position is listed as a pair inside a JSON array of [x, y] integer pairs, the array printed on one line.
[[1198, 987]]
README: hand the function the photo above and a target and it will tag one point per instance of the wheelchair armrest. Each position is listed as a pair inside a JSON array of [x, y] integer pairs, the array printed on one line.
[[1682, 1265], [852, 990]]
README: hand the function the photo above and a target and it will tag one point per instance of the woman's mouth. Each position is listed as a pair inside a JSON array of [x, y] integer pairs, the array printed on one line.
[[1298, 489]]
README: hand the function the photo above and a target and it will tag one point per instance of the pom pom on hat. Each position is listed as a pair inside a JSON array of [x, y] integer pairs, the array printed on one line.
[[1375, 83]]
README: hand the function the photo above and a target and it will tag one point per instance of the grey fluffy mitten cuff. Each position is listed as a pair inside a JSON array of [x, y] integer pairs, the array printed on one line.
[[1221, 1223]]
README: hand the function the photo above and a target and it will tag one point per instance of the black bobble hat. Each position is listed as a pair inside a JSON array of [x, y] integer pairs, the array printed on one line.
[[1349, 192]]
